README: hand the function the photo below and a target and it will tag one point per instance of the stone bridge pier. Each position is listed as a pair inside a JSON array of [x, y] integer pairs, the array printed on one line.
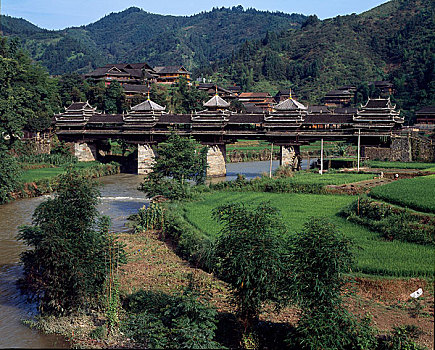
[[216, 160], [85, 151], [145, 159], [290, 156]]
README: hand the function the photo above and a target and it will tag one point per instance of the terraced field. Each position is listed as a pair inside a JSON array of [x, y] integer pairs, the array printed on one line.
[[375, 256], [417, 193]]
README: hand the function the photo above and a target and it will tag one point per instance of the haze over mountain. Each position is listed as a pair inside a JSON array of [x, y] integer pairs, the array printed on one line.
[[134, 35]]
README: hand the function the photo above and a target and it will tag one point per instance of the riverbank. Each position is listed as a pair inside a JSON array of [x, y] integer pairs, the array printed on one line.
[[153, 266], [38, 181]]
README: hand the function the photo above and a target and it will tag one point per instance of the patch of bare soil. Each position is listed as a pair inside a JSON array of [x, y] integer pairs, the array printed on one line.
[[357, 187]]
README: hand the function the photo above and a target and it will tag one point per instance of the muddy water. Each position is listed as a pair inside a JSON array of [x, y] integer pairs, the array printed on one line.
[[119, 199]]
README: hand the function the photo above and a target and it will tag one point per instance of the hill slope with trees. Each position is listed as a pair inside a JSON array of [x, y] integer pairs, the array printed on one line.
[[394, 41], [134, 35]]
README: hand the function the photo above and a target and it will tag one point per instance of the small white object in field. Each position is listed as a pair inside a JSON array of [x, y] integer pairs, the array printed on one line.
[[417, 293]]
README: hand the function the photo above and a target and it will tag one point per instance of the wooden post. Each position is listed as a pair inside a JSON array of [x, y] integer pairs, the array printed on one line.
[[359, 148], [321, 157], [308, 161], [271, 158]]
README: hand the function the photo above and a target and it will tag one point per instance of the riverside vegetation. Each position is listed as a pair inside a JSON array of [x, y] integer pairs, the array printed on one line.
[[269, 250]]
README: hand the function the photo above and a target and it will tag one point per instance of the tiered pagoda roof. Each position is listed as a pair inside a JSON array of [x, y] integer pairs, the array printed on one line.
[[379, 113], [145, 111], [77, 112], [288, 113]]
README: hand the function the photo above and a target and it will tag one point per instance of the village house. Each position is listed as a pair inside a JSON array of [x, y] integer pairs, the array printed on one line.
[[426, 118], [258, 100], [171, 74]]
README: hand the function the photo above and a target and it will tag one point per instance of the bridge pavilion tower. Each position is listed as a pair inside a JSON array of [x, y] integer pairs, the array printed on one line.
[[213, 118], [144, 114], [287, 116]]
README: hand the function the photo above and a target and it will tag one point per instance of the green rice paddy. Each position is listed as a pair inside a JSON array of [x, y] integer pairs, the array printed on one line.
[[375, 256], [400, 165], [417, 193]]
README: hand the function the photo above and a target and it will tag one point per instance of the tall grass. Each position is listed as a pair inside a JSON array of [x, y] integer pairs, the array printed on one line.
[[375, 256]]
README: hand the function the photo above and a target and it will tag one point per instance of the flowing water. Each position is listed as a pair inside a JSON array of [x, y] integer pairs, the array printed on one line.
[[119, 199]]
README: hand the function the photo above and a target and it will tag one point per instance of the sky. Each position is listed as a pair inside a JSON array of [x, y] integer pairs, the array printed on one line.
[[59, 14]]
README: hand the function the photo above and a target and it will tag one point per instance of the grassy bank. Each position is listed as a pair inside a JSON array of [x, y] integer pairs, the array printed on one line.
[[39, 181], [375, 256]]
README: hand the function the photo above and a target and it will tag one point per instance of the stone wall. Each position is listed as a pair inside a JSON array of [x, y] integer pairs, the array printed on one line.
[[216, 155], [145, 159], [403, 149]]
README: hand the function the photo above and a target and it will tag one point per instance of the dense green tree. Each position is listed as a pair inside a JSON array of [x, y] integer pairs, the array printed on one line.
[[66, 268], [319, 258], [186, 98], [178, 160], [73, 88], [114, 99], [28, 99], [249, 256]]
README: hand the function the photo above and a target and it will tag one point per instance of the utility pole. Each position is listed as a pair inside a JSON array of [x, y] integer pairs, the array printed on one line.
[[271, 157], [321, 157], [359, 148]]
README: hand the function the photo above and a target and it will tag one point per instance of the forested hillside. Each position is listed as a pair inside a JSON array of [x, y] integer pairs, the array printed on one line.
[[134, 35], [394, 41]]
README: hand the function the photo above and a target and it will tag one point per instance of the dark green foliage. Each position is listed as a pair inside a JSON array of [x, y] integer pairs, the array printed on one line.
[[185, 98], [332, 329], [151, 218], [401, 338], [157, 39], [66, 269], [162, 321], [9, 175], [28, 97], [73, 88], [394, 42], [114, 99], [248, 255], [265, 184], [178, 160], [393, 223], [320, 257]]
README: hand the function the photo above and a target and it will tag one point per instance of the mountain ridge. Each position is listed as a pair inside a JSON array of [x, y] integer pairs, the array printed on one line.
[[137, 35]]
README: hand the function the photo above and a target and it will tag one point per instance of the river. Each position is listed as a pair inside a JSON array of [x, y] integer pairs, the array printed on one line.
[[119, 199]]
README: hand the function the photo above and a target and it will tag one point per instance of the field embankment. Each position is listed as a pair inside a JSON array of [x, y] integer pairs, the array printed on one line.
[[39, 179]]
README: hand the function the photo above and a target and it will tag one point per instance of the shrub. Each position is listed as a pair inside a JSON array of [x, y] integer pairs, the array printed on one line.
[[164, 321], [392, 223], [66, 269], [248, 255], [9, 175], [401, 338], [318, 258]]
